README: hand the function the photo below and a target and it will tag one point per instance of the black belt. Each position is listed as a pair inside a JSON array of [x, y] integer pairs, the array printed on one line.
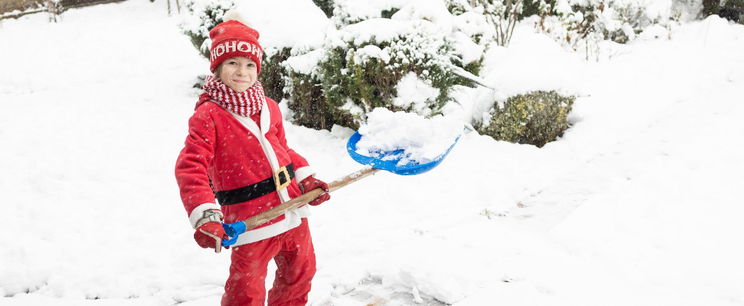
[[281, 179]]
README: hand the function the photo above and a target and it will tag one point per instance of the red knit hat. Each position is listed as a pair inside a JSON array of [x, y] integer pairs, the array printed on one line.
[[231, 39]]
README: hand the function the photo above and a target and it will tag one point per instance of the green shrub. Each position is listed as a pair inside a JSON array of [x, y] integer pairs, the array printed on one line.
[[534, 118], [347, 12], [583, 25], [735, 4], [711, 7], [346, 88], [272, 73], [458, 7], [355, 75], [537, 7], [308, 104], [732, 10]]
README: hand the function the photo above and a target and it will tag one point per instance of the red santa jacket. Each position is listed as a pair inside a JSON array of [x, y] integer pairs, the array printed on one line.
[[232, 151]]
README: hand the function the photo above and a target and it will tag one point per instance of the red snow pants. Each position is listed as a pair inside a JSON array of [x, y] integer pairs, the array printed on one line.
[[294, 256]]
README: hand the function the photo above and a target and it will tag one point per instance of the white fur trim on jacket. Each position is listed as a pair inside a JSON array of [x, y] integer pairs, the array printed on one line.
[[198, 212], [260, 134], [303, 173], [292, 219]]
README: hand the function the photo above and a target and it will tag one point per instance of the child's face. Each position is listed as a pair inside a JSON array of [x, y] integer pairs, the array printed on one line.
[[239, 73]]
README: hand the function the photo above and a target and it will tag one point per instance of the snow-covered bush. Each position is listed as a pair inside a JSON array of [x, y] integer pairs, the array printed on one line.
[[686, 10], [308, 104], [347, 12], [711, 7], [203, 16], [534, 118], [357, 76], [537, 7], [732, 10], [582, 24], [472, 32], [501, 16], [272, 73], [394, 54], [618, 21], [729, 9]]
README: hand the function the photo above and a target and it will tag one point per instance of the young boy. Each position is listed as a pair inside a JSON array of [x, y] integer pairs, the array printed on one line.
[[236, 152]]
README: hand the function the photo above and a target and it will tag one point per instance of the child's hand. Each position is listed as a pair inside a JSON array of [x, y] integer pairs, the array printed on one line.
[[210, 235], [311, 183]]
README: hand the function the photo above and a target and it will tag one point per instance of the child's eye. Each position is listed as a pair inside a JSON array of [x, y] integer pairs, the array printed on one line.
[[251, 65], [232, 62]]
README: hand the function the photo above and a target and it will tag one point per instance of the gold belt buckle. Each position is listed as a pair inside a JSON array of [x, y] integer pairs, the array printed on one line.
[[278, 178]]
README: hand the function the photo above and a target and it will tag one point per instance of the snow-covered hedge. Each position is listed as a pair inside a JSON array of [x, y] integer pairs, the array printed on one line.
[[357, 74], [394, 54], [272, 72], [619, 21], [534, 118]]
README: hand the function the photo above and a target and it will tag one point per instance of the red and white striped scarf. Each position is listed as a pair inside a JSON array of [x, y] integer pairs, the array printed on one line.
[[245, 103]]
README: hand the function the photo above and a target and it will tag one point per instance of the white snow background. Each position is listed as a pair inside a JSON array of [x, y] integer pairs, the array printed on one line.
[[640, 203]]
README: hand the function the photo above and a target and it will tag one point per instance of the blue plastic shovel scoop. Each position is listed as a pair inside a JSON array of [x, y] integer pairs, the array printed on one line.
[[391, 160], [388, 161]]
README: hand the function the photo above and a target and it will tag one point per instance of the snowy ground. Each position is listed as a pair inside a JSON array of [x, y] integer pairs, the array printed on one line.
[[639, 204]]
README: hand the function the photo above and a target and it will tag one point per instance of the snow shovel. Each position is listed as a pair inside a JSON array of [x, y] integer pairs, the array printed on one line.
[[386, 160]]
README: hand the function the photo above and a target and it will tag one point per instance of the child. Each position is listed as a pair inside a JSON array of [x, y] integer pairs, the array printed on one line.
[[236, 152]]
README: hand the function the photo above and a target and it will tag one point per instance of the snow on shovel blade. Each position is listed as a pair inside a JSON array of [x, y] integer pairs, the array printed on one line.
[[391, 160]]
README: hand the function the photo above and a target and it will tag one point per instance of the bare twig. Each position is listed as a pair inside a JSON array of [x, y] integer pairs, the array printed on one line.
[[504, 15], [54, 8]]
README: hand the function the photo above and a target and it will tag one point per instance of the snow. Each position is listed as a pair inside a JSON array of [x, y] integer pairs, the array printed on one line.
[[639, 203], [421, 139], [432, 11], [414, 93], [376, 29], [285, 23], [362, 10], [471, 52], [305, 63], [370, 51]]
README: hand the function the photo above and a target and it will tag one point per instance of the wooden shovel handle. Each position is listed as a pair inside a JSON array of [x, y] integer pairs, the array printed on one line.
[[307, 197]]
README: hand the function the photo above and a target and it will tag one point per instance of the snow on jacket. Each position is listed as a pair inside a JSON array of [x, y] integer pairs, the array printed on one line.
[[234, 151]]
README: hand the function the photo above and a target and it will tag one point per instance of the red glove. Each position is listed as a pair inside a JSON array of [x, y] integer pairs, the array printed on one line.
[[310, 183], [210, 235]]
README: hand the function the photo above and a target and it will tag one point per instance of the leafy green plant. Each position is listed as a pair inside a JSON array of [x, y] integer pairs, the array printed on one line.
[[354, 75], [308, 104], [534, 118], [272, 73]]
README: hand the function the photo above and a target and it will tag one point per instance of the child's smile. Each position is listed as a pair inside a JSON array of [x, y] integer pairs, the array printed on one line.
[[239, 73]]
